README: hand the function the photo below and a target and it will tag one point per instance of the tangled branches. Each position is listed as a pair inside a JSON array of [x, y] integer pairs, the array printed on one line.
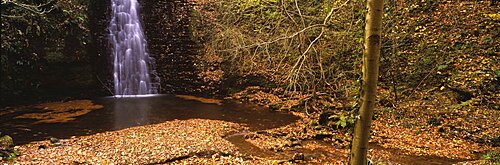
[[294, 43]]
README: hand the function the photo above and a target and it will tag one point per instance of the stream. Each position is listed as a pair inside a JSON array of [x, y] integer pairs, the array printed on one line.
[[121, 113]]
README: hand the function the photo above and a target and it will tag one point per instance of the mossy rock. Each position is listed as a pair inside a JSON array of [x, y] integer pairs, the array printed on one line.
[[6, 142], [7, 151]]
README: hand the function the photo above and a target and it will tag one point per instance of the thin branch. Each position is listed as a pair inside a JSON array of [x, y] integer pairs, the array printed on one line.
[[303, 57], [104, 85], [273, 41], [12, 16], [300, 14], [31, 8], [288, 14]]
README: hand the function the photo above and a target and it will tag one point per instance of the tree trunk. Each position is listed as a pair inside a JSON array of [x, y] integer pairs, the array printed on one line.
[[371, 57]]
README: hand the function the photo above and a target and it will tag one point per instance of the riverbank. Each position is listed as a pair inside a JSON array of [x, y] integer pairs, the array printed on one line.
[[205, 141]]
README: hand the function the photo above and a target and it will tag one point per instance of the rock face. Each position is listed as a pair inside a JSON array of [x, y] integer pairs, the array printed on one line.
[[169, 36], [100, 49], [167, 28], [181, 61]]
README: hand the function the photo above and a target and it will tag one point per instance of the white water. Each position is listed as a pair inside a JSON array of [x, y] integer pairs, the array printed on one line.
[[132, 64]]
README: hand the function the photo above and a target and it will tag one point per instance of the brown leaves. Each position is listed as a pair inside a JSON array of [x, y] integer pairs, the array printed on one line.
[[138, 145], [200, 99], [434, 127], [56, 112]]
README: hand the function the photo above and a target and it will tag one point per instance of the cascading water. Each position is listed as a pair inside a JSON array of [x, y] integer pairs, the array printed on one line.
[[132, 64]]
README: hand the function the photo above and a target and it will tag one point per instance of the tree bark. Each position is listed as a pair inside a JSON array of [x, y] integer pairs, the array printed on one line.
[[371, 57]]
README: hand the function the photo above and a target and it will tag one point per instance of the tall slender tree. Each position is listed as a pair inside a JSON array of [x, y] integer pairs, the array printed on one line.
[[371, 58]]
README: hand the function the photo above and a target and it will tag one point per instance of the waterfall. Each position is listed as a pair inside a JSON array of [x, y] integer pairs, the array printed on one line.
[[133, 68]]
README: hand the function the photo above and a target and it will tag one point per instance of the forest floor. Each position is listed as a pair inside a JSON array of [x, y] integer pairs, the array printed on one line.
[[427, 125], [421, 131], [421, 135]]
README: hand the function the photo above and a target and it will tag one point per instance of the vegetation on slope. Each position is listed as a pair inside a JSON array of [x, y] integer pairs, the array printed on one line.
[[41, 41], [439, 66]]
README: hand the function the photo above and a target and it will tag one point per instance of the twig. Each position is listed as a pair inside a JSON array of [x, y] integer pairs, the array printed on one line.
[[104, 85], [422, 81]]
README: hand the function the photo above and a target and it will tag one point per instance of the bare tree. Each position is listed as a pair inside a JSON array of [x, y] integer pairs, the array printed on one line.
[[371, 58]]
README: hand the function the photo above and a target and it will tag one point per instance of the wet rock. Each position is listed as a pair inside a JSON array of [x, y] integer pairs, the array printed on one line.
[[313, 156], [250, 136], [295, 144], [461, 95], [278, 134], [42, 147], [321, 136], [435, 121], [298, 156], [324, 118], [441, 129], [262, 132], [274, 107], [54, 140]]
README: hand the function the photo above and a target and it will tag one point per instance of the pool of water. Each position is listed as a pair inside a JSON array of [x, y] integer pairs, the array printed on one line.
[[125, 112]]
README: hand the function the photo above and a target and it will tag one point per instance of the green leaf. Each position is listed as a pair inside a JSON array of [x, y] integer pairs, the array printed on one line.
[[442, 67], [497, 73]]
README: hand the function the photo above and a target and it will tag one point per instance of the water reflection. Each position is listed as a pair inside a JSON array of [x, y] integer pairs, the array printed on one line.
[[120, 113], [130, 112]]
